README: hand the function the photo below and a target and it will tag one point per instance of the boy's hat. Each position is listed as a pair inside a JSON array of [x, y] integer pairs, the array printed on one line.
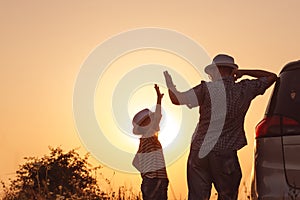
[[221, 60], [141, 116]]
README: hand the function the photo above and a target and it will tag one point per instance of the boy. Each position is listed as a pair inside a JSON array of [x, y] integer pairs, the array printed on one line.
[[149, 160]]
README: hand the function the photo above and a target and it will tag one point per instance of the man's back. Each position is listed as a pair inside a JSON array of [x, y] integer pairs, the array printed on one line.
[[222, 106]]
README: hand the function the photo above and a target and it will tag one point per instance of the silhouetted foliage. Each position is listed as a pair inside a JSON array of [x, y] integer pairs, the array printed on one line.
[[57, 176]]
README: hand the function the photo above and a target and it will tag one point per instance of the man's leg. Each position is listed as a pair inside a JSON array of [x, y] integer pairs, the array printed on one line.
[[199, 177], [226, 172]]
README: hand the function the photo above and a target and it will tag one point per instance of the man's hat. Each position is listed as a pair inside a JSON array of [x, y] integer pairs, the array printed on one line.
[[221, 60]]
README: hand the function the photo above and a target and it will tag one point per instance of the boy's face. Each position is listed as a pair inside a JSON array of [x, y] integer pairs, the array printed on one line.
[[146, 121]]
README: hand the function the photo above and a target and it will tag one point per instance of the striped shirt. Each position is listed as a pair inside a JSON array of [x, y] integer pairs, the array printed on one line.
[[149, 159]]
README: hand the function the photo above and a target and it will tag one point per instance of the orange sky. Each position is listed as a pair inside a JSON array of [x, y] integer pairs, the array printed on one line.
[[44, 43]]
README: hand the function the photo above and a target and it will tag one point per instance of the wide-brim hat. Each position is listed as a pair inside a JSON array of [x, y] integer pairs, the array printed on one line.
[[141, 116], [221, 60]]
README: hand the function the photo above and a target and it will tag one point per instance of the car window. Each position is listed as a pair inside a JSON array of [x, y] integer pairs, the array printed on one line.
[[285, 99]]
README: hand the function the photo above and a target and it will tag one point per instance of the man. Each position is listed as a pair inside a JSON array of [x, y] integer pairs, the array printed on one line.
[[219, 134]]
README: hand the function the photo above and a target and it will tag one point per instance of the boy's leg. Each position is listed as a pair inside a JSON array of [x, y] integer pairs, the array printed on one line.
[[148, 185], [227, 174], [163, 190], [155, 189], [199, 177]]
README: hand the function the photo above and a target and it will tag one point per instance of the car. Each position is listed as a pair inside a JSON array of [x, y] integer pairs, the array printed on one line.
[[276, 171]]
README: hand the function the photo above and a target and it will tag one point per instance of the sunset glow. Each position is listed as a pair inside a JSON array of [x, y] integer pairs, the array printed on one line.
[[44, 45]]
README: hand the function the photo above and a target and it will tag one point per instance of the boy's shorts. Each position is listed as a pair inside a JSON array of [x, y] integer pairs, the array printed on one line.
[[155, 188]]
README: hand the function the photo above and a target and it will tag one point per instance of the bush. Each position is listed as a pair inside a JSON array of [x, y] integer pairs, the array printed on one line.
[[57, 176]]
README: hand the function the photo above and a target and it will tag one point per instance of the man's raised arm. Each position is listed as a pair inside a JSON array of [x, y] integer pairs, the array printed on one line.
[[177, 98], [271, 77]]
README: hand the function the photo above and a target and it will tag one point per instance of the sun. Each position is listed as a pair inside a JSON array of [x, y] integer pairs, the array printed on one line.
[[127, 87], [145, 97], [170, 128], [142, 97]]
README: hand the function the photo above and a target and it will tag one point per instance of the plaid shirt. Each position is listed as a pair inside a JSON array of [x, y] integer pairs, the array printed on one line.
[[222, 106]]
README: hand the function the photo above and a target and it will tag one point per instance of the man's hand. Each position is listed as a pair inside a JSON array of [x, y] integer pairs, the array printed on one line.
[[169, 80], [237, 74], [159, 95], [271, 77]]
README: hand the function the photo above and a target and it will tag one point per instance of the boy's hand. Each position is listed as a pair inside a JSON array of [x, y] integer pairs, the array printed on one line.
[[159, 95], [169, 80]]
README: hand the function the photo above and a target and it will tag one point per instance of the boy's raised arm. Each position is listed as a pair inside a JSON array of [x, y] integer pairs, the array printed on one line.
[[159, 97]]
